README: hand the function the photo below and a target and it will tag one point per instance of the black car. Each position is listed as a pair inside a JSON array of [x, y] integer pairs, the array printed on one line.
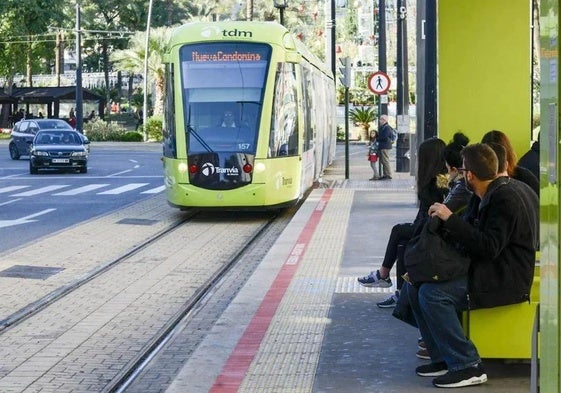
[[24, 131], [58, 149]]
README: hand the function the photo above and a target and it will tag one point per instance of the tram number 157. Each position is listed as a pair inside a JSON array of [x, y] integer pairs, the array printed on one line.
[[243, 146]]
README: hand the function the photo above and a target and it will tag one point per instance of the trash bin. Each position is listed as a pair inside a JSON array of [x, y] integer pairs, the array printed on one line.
[[402, 154]]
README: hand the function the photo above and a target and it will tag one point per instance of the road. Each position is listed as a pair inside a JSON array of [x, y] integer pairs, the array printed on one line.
[[33, 206]]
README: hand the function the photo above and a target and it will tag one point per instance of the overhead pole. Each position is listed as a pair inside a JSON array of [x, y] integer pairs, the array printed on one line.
[[382, 60], [79, 111], [402, 104], [146, 50]]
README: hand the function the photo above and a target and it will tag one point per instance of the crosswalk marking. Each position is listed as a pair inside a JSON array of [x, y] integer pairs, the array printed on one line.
[[125, 188], [4, 190], [41, 190], [25, 191], [154, 190], [81, 190]]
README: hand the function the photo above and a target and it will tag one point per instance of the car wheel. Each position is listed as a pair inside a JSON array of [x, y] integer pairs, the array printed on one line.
[[14, 153], [84, 169], [32, 169]]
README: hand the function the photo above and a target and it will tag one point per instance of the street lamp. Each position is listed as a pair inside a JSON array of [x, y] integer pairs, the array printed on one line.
[[281, 5]]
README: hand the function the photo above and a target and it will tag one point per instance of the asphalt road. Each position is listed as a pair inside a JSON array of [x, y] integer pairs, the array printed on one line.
[[33, 206]]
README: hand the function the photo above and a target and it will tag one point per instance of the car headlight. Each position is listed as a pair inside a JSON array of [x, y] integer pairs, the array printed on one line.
[[39, 153], [79, 154]]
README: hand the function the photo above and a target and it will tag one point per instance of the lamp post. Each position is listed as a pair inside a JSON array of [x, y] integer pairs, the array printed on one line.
[[281, 5]]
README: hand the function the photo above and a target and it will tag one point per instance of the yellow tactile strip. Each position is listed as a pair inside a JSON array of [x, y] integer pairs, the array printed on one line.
[[289, 353]]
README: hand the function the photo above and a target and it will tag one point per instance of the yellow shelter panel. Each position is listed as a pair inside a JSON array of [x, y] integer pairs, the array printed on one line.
[[484, 69]]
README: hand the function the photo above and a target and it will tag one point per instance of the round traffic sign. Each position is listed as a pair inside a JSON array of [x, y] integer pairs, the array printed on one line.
[[379, 82]]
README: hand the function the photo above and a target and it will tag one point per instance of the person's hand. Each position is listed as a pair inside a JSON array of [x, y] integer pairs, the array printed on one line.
[[440, 210]]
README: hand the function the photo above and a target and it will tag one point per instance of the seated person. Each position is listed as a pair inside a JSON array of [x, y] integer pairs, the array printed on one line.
[[228, 120]]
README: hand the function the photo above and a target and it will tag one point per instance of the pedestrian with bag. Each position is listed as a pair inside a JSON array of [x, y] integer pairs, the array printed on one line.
[[501, 248], [372, 155]]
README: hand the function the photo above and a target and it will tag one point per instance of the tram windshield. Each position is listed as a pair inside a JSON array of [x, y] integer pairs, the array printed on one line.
[[223, 85]]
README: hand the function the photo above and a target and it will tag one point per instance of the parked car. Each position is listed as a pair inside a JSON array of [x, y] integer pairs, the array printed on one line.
[[58, 149], [24, 131]]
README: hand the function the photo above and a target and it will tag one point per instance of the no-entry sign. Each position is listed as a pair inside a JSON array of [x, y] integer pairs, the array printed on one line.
[[379, 82]]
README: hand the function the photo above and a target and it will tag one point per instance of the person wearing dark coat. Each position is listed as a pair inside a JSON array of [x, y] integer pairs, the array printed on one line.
[[502, 246], [531, 159]]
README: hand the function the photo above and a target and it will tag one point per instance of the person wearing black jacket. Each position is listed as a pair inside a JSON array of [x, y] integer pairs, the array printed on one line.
[[384, 147], [531, 159], [501, 241]]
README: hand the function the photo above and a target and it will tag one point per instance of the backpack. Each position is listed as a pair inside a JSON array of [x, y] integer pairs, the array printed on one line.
[[393, 136]]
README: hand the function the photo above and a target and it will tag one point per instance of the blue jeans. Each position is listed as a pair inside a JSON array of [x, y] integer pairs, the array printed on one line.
[[436, 309]]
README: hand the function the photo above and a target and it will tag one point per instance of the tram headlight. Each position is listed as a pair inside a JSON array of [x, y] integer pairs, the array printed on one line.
[[182, 167], [259, 167]]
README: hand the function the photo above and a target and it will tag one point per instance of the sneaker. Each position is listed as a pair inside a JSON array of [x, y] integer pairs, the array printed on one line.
[[421, 344], [432, 370], [423, 354], [374, 280], [389, 302], [456, 379]]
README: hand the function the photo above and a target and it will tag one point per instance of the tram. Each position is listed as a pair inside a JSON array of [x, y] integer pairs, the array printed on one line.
[[249, 118]]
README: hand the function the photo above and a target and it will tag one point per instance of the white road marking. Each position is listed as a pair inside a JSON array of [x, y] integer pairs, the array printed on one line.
[[41, 190], [81, 190], [122, 189]]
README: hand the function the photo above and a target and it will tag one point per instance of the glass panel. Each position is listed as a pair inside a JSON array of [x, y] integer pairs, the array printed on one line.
[[223, 85], [284, 118]]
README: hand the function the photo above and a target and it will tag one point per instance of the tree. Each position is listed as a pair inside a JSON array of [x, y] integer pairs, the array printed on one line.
[[132, 59]]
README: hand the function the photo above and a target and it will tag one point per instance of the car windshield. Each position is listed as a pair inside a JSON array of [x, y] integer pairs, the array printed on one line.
[[57, 138], [54, 124]]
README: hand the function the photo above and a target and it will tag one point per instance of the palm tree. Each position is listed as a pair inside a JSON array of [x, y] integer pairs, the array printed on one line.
[[362, 117], [132, 59]]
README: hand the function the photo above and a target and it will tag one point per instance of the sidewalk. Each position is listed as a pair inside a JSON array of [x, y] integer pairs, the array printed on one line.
[[311, 327]]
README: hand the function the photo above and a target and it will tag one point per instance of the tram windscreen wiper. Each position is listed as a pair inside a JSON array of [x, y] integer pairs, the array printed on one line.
[[191, 131]]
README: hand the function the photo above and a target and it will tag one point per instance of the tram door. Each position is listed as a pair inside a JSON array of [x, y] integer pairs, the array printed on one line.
[[550, 331]]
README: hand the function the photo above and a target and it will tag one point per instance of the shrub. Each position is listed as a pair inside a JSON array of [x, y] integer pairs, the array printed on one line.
[[132, 136], [99, 130], [154, 126]]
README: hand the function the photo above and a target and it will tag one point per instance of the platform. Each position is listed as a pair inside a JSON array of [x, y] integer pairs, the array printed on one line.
[[303, 324]]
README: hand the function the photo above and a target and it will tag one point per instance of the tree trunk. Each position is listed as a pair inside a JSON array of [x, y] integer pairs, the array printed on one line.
[[364, 132]]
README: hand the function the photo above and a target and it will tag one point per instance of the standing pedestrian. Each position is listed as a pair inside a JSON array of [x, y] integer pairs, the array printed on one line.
[[385, 138]]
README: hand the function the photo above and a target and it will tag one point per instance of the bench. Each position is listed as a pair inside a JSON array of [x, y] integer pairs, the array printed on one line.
[[505, 332]]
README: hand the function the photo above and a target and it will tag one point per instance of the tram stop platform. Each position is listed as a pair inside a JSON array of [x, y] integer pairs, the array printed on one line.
[[302, 323]]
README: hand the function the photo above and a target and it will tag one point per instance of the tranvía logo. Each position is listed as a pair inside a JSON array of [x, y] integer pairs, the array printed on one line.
[[209, 31], [208, 169]]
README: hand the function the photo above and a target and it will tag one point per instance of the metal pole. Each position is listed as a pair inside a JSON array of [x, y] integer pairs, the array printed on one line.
[[146, 47], [79, 110], [281, 14], [346, 132], [382, 66], [333, 39]]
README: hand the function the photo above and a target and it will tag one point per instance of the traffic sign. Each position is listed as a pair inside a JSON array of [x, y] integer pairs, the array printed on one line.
[[379, 82]]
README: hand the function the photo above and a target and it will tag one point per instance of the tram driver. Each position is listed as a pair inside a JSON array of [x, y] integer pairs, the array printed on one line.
[[228, 119]]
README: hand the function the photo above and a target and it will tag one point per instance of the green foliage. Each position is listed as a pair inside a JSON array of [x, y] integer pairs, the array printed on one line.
[[363, 115], [154, 126], [99, 130], [132, 136], [340, 133]]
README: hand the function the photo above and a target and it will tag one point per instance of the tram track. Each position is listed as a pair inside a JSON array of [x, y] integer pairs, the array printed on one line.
[[62, 291], [179, 263], [130, 372]]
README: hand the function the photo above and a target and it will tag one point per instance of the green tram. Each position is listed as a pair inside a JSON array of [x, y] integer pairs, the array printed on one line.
[[249, 118]]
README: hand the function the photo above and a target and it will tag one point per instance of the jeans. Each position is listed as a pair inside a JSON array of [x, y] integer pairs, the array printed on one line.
[[436, 309]]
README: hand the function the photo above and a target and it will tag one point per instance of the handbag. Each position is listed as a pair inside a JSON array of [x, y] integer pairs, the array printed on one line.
[[429, 257], [373, 157]]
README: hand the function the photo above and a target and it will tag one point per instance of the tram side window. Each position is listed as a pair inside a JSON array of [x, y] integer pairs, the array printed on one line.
[[284, 118], [307, 94], [168, 131]]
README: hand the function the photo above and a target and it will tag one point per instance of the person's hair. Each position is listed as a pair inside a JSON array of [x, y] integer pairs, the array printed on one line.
[[481, 160], [500, 151], [430, 161], [452, 151], [501, 138]]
